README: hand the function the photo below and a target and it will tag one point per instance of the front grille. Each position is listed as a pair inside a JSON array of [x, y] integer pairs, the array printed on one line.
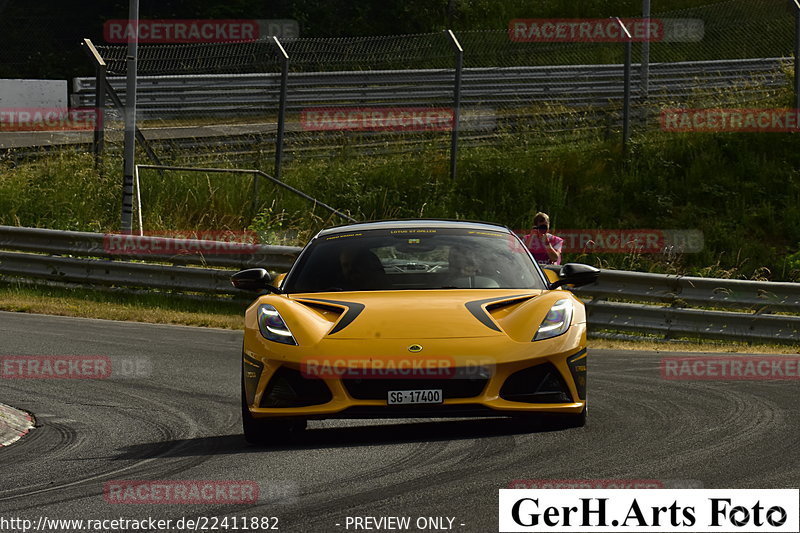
[[417, 411], [378, 389], [537, 384], [289, 388]]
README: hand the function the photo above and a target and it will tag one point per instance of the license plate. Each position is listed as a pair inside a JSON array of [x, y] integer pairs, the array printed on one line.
[[411, 397]]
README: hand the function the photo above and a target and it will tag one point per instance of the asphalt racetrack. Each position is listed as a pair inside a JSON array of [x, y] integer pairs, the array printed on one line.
[[178, 418]]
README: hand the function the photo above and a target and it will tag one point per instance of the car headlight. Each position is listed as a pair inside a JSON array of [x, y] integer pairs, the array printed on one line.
[[557, 320], [272, 325]]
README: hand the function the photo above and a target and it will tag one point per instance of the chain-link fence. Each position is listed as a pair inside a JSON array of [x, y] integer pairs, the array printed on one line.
[[532, 114], [401, 94]]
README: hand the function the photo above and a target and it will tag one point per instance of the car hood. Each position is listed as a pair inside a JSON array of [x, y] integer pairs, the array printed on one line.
[[431, 314]]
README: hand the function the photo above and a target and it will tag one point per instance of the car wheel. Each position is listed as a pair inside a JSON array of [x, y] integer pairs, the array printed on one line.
[[268, 431]]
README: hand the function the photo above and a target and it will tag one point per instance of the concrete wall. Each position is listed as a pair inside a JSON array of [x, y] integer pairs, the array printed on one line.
[[33, 93]]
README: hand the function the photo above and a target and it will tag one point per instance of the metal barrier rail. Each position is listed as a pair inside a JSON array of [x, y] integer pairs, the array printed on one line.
[[753, 300], [676, 322], [574, 85], [122, 247], [47, 255], [117, 273], [682, 291]]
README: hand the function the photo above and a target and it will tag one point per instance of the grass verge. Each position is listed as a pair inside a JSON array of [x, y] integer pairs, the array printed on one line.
[[691, 346], [164, 309], [114, 305]]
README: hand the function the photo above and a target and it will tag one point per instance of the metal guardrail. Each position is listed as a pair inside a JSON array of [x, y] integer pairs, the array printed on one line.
[[683, 291], [49, 255], [669, 297], [115, 273], [573, 86], [111, 260], [676, 322], [109, 246]]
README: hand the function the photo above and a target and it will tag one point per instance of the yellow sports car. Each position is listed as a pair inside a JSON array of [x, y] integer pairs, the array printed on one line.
[[412, 318]]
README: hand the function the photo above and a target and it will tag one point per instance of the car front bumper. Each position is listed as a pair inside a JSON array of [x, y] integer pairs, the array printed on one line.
[[279, 386]]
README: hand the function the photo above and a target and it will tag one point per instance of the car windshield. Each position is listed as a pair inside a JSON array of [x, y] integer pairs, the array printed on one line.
[[413, 259]]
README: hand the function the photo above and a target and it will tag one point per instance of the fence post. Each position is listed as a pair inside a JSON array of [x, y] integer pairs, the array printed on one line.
[[459, 56], [797, 55], [284, 57], [255, 195], [117, 102], [130, 120], [100, 114], [100, 68], [109, 91], [626, 104], [645, 82]]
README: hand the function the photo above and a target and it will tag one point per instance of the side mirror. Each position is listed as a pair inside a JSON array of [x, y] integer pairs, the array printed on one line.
[[576, 274], [253, 279]]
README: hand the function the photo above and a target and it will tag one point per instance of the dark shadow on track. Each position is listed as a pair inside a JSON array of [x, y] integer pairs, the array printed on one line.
[[342, 437]]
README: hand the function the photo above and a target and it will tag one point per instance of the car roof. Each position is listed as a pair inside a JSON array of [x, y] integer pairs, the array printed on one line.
[[414, 223]]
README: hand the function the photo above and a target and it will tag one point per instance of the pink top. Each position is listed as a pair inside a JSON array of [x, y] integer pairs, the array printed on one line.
[[538, 250]]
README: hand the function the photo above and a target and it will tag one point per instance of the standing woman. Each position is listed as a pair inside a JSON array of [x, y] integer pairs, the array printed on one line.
[[545, 247]]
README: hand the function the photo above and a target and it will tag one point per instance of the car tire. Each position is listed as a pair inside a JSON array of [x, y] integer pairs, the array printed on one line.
[[261, 432]]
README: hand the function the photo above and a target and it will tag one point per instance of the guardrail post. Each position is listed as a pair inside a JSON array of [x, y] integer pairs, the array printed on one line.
[[626, 104], [459, 56], [284, 57], [100, 68]]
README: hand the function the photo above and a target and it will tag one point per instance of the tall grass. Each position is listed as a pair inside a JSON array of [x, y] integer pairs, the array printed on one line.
[[61, 190], [742, 190]]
